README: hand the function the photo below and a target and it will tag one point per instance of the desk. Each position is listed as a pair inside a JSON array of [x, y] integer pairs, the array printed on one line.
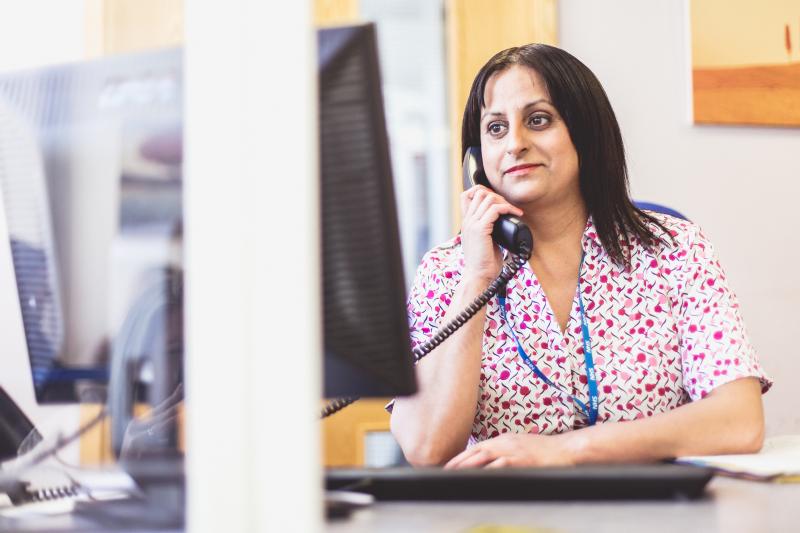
[[114, 517], [159, 507], [731, 506]]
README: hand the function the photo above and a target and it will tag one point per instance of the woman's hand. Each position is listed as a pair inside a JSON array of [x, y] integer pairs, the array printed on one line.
[[480, 209], [518, 449]]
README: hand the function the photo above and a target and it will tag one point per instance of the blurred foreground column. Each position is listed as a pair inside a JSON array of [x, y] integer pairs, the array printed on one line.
[[253, 339]]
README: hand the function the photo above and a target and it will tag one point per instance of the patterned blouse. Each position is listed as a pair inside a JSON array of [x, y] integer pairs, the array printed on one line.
[[664, 333]]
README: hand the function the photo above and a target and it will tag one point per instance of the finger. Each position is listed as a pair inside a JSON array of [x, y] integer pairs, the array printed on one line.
[[478, 191], [466, 198], [496, 199], [495, 211], [488, 200], [477, 460], [478, 196], [455, 461], [500, 462], [475, 188]]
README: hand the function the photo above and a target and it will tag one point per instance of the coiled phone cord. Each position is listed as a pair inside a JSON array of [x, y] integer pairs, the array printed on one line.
[[509, 270]]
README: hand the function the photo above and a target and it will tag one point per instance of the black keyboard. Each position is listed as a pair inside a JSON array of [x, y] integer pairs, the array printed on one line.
[[585, 482]]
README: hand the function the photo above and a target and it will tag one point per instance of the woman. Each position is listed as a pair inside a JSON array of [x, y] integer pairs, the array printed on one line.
[[663, 348]]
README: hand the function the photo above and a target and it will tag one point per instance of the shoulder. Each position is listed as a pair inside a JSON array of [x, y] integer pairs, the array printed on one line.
[[685, 254], [440, 270], [678, 236], [446, 257]]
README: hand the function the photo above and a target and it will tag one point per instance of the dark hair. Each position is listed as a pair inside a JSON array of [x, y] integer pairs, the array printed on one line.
[[583, 105]]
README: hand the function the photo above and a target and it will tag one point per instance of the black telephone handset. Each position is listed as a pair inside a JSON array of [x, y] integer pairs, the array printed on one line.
[[509, 231]]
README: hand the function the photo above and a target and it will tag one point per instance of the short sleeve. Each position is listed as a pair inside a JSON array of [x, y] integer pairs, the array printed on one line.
[[715, 349], [431, 293]]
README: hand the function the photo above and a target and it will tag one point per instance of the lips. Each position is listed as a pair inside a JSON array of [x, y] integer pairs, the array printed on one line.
[[527, 166]]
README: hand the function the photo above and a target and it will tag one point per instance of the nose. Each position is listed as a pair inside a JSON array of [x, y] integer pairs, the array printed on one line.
[[516, 140]]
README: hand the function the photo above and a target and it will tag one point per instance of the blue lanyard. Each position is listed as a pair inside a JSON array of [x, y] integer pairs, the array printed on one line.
[[591, 411]]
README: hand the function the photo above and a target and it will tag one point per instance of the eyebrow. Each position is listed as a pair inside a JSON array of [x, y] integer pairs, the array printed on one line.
[[528, 105]]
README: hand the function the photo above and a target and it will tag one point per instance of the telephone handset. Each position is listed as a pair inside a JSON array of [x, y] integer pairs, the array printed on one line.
[[509, 231]]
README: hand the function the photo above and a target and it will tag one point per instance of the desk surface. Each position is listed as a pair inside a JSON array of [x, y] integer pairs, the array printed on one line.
[[731, 506]]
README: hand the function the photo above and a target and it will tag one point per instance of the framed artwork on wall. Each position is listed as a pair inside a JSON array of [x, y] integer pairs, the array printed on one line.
[[746, 62]]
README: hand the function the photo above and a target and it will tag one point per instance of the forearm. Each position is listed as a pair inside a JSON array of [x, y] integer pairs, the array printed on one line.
[[729, 420], [435, 424]]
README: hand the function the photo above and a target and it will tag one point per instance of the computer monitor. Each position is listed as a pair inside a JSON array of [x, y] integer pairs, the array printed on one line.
[[91, 180], [366, 335]]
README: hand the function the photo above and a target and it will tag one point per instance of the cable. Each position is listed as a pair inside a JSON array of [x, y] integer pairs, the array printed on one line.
[[32, 459], [510, 268], [337, 405]]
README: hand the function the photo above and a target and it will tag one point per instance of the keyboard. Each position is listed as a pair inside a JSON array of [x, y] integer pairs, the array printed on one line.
[[584, 482]]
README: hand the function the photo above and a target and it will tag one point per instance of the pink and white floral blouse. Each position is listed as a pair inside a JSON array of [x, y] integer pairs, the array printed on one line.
[[664, 333]]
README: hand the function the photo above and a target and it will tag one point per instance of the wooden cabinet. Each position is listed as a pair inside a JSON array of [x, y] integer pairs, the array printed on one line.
[[476, 30]]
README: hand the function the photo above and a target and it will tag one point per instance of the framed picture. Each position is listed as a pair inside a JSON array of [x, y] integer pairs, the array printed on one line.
[[746, 62]]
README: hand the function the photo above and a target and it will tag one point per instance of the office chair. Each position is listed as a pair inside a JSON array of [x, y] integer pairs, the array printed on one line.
[[658, 208]]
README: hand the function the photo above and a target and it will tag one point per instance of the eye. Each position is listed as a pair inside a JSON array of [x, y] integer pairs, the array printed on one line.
[[539, 120], [496, 128]]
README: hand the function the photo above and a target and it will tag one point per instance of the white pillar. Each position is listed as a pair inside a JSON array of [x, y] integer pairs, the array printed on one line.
[[252, 246]]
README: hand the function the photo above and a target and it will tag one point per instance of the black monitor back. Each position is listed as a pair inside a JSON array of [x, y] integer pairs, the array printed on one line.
[[366, 336]]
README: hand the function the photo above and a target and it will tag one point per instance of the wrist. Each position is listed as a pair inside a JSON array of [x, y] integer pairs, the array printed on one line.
[[577, 444], [476, 280]]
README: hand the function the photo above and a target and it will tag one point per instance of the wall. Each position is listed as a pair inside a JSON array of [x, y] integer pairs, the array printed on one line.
[[40, 32], [121, 26], [29, 39], [739, 183]]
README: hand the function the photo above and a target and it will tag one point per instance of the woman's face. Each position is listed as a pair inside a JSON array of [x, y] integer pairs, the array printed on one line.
[[527, 152]]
